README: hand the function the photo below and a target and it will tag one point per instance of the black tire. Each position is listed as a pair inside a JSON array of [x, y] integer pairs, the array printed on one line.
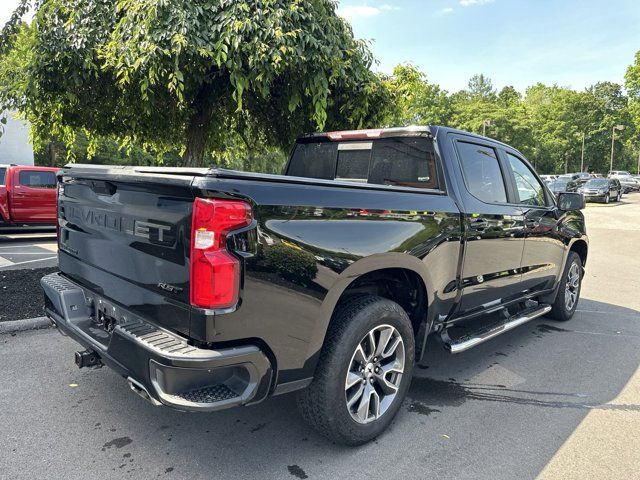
[[607, 198], [560, 310], [324, 403]]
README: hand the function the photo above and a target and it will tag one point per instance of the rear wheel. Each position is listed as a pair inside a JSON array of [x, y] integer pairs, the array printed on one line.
[[568, 294], [363, 372]]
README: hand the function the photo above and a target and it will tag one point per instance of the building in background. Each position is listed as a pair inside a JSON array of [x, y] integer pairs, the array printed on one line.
[[14, 142]]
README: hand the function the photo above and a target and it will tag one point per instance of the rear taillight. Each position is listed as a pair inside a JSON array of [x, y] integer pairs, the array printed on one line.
[[215, 273]]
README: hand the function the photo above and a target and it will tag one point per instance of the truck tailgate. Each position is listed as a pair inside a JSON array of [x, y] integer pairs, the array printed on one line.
[[125, 235]]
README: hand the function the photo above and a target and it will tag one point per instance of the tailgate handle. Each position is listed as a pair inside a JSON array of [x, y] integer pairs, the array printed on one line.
[[103, 188]]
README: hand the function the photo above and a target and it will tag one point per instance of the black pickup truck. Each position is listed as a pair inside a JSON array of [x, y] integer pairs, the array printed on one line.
[[208, 288]]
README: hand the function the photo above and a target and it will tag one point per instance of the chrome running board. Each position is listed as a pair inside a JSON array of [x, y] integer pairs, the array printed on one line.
[[473, 339]]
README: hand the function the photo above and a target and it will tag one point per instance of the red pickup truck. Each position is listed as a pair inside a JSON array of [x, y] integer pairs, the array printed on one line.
[[27, 195]]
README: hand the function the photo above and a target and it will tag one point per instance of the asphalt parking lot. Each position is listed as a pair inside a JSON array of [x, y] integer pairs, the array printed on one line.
[[27, 248], [548, 400]]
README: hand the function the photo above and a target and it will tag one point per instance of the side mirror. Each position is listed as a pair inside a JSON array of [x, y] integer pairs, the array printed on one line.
[[570, 201]]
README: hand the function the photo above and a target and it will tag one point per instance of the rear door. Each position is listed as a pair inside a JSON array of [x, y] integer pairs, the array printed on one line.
[[494, 228], [33, 196], [543, 247]]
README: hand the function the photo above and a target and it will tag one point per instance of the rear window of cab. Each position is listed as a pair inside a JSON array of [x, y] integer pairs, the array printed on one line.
[[400, 161]]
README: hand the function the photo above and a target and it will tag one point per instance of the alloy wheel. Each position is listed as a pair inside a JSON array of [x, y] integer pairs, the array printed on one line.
[[374, 374], [572, 287]]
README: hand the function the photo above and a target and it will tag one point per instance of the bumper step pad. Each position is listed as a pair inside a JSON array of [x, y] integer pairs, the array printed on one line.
[[213, 394]]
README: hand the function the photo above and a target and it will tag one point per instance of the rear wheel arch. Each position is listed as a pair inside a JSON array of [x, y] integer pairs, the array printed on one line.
[[384, 266]]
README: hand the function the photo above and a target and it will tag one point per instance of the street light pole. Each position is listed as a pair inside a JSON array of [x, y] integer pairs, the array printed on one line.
[[582, 155], [613, 138], [578, 134], [485, 124]]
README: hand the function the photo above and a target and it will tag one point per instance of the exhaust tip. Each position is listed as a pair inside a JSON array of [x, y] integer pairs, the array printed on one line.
[[142, 391]]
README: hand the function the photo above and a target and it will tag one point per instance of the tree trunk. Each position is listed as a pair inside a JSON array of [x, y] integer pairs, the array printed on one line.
[[248, 161], [197, 133], [51, 154]]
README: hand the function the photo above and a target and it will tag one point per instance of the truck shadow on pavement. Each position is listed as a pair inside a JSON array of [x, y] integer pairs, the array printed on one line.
[[506, 407]]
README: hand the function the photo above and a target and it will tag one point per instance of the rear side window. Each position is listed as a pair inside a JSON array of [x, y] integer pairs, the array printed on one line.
[[482, 172], [401, 161], [35, 179], [314, 160], [3, 174]]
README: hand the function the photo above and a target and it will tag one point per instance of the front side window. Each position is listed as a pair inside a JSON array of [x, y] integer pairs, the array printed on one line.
[[482, 172], [529, 189], [3, 174], [36, 179]]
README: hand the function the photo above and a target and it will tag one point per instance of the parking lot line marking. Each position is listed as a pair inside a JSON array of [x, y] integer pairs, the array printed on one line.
[[29, 261], [24, 253], [29, 236], [4, 262], [52, 247]]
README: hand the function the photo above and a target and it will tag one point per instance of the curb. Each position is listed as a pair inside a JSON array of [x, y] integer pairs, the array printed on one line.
[[26, 324]]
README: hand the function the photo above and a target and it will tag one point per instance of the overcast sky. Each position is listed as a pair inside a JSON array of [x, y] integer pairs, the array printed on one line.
[[572, 43]]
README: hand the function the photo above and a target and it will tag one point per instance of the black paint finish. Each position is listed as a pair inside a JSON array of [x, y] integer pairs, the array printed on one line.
[[125, 234]]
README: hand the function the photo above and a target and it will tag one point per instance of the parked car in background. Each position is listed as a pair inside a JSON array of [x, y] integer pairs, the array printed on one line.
[[581, 178], [601, 190], [379, 238], [27, 195], [548, 178], [564, 183], [561, 185], [629, 183]]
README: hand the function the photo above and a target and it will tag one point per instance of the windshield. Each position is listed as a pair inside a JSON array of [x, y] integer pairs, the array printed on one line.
[[3, 173], [558, 184], [596, 182]]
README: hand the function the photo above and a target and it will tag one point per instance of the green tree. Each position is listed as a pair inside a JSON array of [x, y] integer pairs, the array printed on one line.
[[481, 88], [412, 100], [632, 84], [170, 74]]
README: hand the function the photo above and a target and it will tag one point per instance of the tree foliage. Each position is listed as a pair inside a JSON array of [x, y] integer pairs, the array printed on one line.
[[233, 82], [174, 74]]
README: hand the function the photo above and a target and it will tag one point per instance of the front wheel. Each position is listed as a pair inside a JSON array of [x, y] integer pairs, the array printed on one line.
[[607, 198], [568, 294], [363, 373]]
